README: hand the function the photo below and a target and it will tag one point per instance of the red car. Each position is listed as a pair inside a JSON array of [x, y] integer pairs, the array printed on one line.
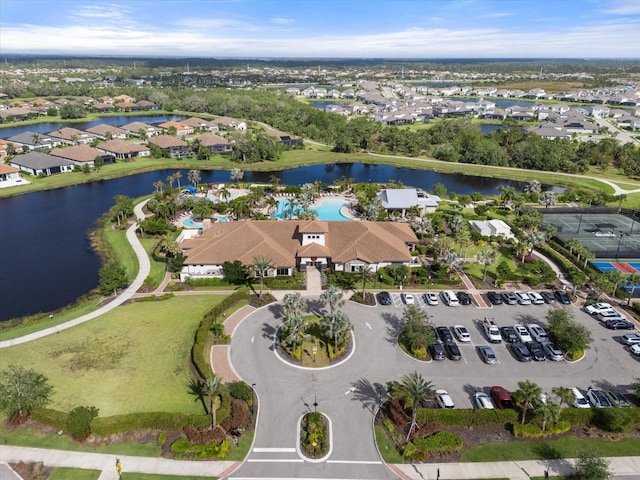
[[501, 397]]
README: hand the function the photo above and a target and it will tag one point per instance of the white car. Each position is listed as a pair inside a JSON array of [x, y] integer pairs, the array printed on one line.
[[580, 401], [408, 298], [523, 298], [522, 333], [597, 398], [461, 333], [635, 349], [631, 339], [431, 298], [536, 298], [483, 401], [537, 332], [443, 399], [609, 314], [597, 308]]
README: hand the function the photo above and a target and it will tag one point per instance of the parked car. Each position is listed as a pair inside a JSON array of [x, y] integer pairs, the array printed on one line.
[[509, 334], [606, 315], [483, 401], [494, 298], [491, 330], [522, 333], [461, 333], [580, 401], [536, 351], [501, 397], [552, 352], [509, 298], [562, 297], [450, 298], [620, 325], [444, 334], [597, 308], [523, 298], [536, 298], [487, 355], [521, 352], [635, 349], [464, 298], [631, 339], [431, 298], [453, 351], [437, 351], [537, 332], [408, 298], [384, 298], [443, 399], [617, 399], [597, 398], [548, 297]]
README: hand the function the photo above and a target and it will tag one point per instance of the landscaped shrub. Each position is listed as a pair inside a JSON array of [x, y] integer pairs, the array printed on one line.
[[314, 438], [240, 390], [333, 354], [467, 417], [616, 420], [531, 430], [79, 421], [183, 449], [419, 352], [388, 424], [577, 416], [139, 421], [441, 442], [48, 416]]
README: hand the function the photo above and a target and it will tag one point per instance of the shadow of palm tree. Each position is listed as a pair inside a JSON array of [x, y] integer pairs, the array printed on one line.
[[316, 307], [270, 332], [369, 394], [275, 309], [395, 326], [526, 318]]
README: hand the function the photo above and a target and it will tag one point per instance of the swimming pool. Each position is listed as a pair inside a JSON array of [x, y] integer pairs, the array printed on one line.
[[189, 223], [328, 210]]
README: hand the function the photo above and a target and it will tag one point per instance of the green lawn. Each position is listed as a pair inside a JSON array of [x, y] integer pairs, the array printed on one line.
[[133, 359], [387, 450], [123, 251], [62, 473], [565, 447], [158, 269]]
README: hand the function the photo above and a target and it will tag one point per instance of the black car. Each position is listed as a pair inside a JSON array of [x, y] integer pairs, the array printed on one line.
[[463, 298], [548, 297], [562, 297], [508, 334], [509, 298], [620, 325], [536, 351], [437, 351], [521, 352], [444, 334], [384, 298], [453, 351], [494, 298]]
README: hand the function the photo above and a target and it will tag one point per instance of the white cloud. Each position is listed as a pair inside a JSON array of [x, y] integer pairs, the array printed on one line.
[[623, 7], [282, 21], [497, 15]]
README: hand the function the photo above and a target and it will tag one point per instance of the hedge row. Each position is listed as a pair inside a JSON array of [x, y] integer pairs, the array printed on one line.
[[557, 253], [467, 417], [590, 416], [51, 417], [531, 430], [439, 442], [198, 356]]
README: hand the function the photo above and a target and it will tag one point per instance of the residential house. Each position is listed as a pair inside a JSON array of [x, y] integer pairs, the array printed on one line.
[[175, 147], [107, 132], [127, 106], [285, 138], [72, 136], [103, 107], [139, 129], [9, 175], [146, 105], [4, 146], [228, 123], [82, 155], [123, 150], [123, 98], [198, 124], [399, 200], [181, 128], [38, 163], [295, 245], [17, 114], [34, 141], [214, 143], [549, 132]]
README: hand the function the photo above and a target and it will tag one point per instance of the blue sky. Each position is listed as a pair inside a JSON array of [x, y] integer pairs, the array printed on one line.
[[324, 28]]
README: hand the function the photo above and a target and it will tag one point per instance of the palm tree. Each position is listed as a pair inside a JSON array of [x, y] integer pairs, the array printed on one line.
[[158, 186], [274, 181], [614, 277], [564, 394], [36, 139], [177, 176], [213, 388], [170, 179], [449, 263], [633, 279], [572, 244], [527, 395], [365, 274], [506, 194], [225, 194], [271, 203], [194, 177], [549, 411], [236, 175], [412, 390], [456, 224], [445, 244], [487, 258], [293, 303], [332, 297], [533, 187], [423, 226], [336, 325], [547, 199], [261, 266]]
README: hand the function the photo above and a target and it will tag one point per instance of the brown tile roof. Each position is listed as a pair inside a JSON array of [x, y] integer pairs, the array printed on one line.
[[77, 153], [135, 126], [210, 139], [5, 169], [103, 129], [194, 122], [122, 147], [171, 123], [371, 242], [167, 141], [67, 133]]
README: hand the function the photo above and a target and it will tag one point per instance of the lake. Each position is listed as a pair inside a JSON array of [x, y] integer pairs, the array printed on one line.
[[48, 261]]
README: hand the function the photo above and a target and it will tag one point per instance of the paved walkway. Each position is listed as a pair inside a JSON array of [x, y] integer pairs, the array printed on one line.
[[219, 356], [314, 281]]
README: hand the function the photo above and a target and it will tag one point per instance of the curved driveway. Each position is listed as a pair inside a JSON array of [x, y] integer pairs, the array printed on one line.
[[143, 272]]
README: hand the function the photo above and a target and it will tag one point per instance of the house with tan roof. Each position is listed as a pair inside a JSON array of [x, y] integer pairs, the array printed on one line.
[[123, 150], [296, 245], [284, 137], [199, 124], [123, 98], [72, 136], [107, 132], [228, 123], [127, 106], [173, 146], [214, 143], [137, 128], [82, 155], [8, 175], [146, 105], [181, 128]]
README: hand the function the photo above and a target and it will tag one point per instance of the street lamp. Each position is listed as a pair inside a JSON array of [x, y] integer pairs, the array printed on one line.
[[315, 403], [314, 348], [253, 391]]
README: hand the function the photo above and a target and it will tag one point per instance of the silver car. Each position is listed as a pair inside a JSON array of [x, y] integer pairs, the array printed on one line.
[[487, 355], [483, 401]]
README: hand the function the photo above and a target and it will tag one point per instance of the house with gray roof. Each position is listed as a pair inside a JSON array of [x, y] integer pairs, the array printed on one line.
[[402, 199], [34, 141], [38, 163]]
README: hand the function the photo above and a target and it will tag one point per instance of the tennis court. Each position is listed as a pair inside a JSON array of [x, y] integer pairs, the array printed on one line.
[[606, 235], [628, 268]]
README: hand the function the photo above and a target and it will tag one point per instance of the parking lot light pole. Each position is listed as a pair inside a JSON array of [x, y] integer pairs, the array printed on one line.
[[314, 348], [253, 396]]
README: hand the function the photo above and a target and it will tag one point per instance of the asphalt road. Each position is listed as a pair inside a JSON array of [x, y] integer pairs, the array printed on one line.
[[349, 392]]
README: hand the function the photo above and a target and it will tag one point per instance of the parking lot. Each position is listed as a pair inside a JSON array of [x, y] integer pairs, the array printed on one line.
[[608, 364]]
